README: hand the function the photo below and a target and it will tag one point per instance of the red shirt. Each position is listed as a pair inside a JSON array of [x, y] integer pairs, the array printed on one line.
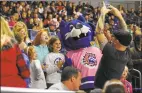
[[13, 68], [60, 7]]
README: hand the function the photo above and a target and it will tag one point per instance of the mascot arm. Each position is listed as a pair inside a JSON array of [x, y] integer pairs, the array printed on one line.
[[68, 62]]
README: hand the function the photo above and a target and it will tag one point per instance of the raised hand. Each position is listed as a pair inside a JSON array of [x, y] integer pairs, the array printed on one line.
[[117, 13], [104, 9], [44, 66], [114, 11], [101, 20]]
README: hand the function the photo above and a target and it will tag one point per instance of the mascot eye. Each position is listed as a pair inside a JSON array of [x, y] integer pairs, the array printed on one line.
[[71, 26]]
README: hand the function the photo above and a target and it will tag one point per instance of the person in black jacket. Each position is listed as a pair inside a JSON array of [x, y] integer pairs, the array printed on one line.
[[136, 53]]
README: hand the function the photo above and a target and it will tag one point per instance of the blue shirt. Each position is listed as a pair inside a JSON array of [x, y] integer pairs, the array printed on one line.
[[27, 80], [41, 51]]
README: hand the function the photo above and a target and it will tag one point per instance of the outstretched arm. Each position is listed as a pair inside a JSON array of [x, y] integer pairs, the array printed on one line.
[[100, 27], [118, 14]]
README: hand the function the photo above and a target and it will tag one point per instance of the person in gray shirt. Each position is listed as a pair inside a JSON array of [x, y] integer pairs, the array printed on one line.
[[116, 54], [70, 80]]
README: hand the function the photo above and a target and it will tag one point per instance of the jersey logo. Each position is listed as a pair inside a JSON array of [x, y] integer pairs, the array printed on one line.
[[89, 60], [58, 60]]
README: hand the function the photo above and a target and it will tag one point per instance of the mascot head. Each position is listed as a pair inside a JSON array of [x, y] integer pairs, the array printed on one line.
[[76, 33]]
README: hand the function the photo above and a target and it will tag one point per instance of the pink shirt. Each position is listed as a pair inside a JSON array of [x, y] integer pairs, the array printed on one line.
[[127, 86], [87, 60]]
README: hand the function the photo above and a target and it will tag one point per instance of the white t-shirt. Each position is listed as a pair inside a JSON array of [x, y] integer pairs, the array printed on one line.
[[58, 86], [37, 75], [41, 10], [53, 74]]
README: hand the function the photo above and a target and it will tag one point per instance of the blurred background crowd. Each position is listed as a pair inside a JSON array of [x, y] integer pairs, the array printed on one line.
[[44, 14]]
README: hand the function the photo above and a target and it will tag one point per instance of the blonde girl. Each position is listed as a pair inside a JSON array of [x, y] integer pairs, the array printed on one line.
[[36, 72]]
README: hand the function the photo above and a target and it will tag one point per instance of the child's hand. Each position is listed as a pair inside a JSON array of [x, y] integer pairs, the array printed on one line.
[[44, 66], [60, 64]]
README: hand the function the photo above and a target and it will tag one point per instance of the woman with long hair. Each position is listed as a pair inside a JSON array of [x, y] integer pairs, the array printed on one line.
[[13, 69], [21, 28]]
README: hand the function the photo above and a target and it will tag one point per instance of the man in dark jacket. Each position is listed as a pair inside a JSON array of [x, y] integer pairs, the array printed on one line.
[[136, 53]]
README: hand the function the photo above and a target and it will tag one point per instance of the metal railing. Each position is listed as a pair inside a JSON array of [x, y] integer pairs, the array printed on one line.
[[139, 77]]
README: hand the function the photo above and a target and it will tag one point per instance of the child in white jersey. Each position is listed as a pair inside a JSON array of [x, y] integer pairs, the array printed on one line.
[[36, 72], [54, 60]]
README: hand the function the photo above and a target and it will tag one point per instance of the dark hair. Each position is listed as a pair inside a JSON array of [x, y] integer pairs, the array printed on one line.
[[124, 37], [68, 72], [137, 41], [115, 89], [51, 42]]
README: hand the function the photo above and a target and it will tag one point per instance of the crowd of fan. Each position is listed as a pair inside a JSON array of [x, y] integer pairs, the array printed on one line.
[[43, 16]]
